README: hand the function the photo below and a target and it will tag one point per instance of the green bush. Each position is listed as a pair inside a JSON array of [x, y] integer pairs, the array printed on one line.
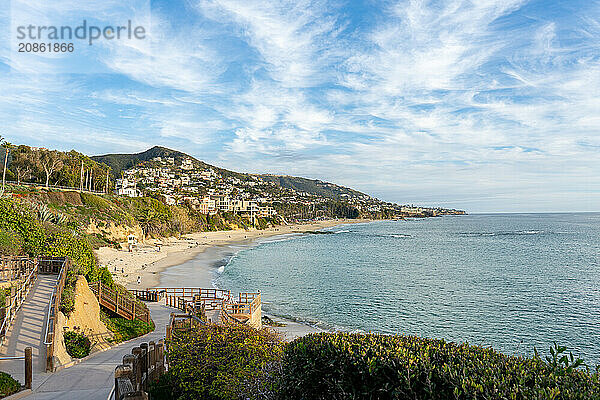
[[8, 385], [124, 329], [67, 300], [354, 366], [11, 244], [20, 227], [20, 221], [219, 362], [77, 344]]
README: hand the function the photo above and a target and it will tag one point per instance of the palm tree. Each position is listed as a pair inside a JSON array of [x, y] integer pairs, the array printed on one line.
[[6, 146]]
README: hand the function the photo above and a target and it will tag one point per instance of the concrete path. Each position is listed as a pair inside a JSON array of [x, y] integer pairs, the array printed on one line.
[[28, 330], [93, 378]]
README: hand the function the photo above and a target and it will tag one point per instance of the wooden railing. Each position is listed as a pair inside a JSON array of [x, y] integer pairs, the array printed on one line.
[[144, 365], [118, 303], [248, 310], [21, 272], [12, 268], [53, 266]]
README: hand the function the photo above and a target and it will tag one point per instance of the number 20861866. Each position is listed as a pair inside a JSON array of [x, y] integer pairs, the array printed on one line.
[[46, 47]]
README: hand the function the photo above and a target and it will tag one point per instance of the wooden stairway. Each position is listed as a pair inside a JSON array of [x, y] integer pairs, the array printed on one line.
[[118, 303]]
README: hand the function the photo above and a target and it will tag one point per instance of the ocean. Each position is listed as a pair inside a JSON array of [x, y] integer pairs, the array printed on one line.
[[509, 281]]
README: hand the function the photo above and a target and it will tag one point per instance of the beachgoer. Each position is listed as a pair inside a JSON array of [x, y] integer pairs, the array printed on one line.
[[139, 280]]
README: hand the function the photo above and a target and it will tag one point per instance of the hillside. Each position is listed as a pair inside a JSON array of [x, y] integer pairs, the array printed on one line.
[[121, 162], [313, 186]]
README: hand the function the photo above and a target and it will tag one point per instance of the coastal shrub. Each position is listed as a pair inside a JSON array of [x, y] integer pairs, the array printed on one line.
[[356, 366], [10, 243], [67, 300], [124, 329], [19, 220], [219, 362], [8, 385], [77, 344]]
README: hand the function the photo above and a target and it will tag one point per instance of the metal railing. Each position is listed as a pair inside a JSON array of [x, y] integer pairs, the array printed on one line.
[[27, 357], [60, 266]]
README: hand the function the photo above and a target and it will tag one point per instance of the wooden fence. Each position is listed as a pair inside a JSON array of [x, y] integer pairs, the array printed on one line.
[[12, 268], [119, 303], [144, 365], [19, 273], [53, 266], [246, 310]]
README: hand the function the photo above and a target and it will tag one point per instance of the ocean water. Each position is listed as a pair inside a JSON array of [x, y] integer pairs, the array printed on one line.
[[508, 281]]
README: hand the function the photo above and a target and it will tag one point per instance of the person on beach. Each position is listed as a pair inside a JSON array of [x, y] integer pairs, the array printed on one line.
[[139, 280]]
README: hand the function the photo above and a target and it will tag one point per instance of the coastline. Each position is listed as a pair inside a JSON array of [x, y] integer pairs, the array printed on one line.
[[148, 263]]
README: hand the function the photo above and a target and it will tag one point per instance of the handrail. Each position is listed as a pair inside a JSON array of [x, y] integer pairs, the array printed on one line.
[[54, 303], [119, 304], [18, 297], [52, 299]]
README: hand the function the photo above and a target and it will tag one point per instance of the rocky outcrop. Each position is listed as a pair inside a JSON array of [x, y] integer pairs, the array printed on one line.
[[85, 319]]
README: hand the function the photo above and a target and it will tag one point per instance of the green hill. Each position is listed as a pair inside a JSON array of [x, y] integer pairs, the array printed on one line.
[[122, 162], [313, 186]]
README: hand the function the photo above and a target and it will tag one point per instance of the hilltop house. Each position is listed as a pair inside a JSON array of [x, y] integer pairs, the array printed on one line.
[[126, 187]]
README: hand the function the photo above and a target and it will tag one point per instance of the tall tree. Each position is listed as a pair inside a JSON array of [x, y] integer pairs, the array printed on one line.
[[6, 146], [22, 163], [51, 162]]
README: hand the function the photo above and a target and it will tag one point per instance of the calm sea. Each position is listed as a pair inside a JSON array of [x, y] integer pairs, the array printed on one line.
[[507, 281]]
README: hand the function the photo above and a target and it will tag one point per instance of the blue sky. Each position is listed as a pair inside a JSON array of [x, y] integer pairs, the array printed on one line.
[[487, 105]]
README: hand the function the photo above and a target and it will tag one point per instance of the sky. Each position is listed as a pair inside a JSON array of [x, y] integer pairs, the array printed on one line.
[[482, 105]]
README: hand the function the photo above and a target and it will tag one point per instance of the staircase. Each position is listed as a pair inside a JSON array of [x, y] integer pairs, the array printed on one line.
[[118, 303]]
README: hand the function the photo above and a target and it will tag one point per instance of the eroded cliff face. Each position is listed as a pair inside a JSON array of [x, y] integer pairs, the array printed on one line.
[[115, 232], [85, 319]]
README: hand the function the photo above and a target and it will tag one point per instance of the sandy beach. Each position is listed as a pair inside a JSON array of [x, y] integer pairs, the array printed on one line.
[[149, 259]]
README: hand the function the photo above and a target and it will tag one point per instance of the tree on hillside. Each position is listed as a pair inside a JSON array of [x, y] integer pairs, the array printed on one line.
[[6, 146], [22, 163], [51, 162]]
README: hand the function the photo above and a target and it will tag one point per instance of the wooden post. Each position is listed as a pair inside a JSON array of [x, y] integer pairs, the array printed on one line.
[[137, 367], [144, 347], [160, 358], [152, 360], [133, 311], [28, 368], [117, 302]]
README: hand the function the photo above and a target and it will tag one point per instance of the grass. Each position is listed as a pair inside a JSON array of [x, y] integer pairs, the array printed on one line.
[[124, 329]]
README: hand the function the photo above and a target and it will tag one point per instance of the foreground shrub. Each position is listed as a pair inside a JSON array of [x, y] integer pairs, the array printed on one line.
[[8, 385], [354, 366], [219, 362], [77, 344]]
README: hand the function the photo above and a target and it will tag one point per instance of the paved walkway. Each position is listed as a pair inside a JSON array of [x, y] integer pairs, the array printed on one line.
[[93, 378], [28, 330]]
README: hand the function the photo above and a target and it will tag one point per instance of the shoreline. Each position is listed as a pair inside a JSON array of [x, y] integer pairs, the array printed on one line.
[[149, 264]]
